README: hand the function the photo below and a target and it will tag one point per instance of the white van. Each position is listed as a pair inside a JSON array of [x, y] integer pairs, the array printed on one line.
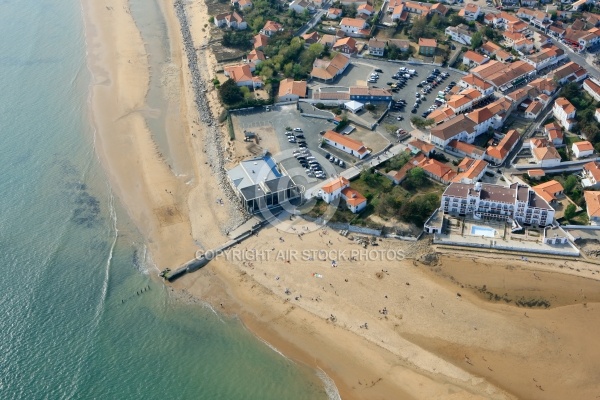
[[412, 71]]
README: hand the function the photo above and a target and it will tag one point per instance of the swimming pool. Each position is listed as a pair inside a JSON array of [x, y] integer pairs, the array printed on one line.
[[482, 231]]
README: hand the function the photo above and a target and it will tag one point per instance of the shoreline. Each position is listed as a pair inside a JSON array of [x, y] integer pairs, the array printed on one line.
[[415, 353]]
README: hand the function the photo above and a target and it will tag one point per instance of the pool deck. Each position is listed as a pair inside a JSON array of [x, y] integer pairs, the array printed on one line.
[[527, 243]]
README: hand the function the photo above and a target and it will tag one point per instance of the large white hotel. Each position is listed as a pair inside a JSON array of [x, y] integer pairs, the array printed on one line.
[[481, 200]]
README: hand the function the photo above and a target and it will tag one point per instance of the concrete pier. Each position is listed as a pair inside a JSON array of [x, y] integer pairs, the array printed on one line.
[[201, 261]]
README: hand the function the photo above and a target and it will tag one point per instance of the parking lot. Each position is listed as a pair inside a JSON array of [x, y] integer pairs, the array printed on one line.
[[279, 119], [358, 75]]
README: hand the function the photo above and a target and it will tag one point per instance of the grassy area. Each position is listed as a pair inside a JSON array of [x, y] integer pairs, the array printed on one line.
[[580, 218], [570, 139]]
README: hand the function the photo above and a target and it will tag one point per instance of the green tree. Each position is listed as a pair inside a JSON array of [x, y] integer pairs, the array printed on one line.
[[456, 19], [419, 122], [417, 176], [230, 92], [370, 178], [266, 73], [570, 212], [570, 183], [476, 40], [419, 28]]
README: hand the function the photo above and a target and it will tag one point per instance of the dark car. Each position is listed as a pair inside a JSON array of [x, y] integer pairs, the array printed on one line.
[[414, 111], [420, 85], [327, 155], [300, 136], [378, 70], [395, 90]]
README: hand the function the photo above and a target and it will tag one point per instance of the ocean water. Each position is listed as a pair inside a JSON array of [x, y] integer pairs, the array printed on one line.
[[80, 315]]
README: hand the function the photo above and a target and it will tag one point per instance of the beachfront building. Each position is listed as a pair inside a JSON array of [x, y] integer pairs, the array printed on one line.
[[260, 185], [231, 20], [346, 144], [486, 201], [333, 190], [550, 191], [582, 149], [592, 204], [355, 201], [339, 188], [242, 75]]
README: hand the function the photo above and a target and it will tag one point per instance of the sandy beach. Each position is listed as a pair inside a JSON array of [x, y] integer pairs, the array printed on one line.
[[411, 325]]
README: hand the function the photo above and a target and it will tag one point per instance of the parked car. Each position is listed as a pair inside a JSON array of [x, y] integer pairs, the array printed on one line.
[[297, 129], [400, 118], [378, 70], [300, 136]]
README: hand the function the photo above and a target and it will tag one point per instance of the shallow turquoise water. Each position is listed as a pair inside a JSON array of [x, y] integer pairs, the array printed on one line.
[[71, 264]]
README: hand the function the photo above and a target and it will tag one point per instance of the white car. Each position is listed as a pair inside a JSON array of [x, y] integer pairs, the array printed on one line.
[[297, 129]]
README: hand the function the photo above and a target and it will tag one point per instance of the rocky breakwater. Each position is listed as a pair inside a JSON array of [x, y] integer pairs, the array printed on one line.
[[213, 141]]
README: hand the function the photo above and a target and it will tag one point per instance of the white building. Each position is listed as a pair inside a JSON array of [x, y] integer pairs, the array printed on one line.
[[355, 201], [582, 149], [481, 200], [470, 12], [346, 144], [459, 34], [354, 27], [231, 20], [591, 175], [544, 153], [333, 190], [592, 87], [300, 6], [339, 188], [376, 47], [564, 112]]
